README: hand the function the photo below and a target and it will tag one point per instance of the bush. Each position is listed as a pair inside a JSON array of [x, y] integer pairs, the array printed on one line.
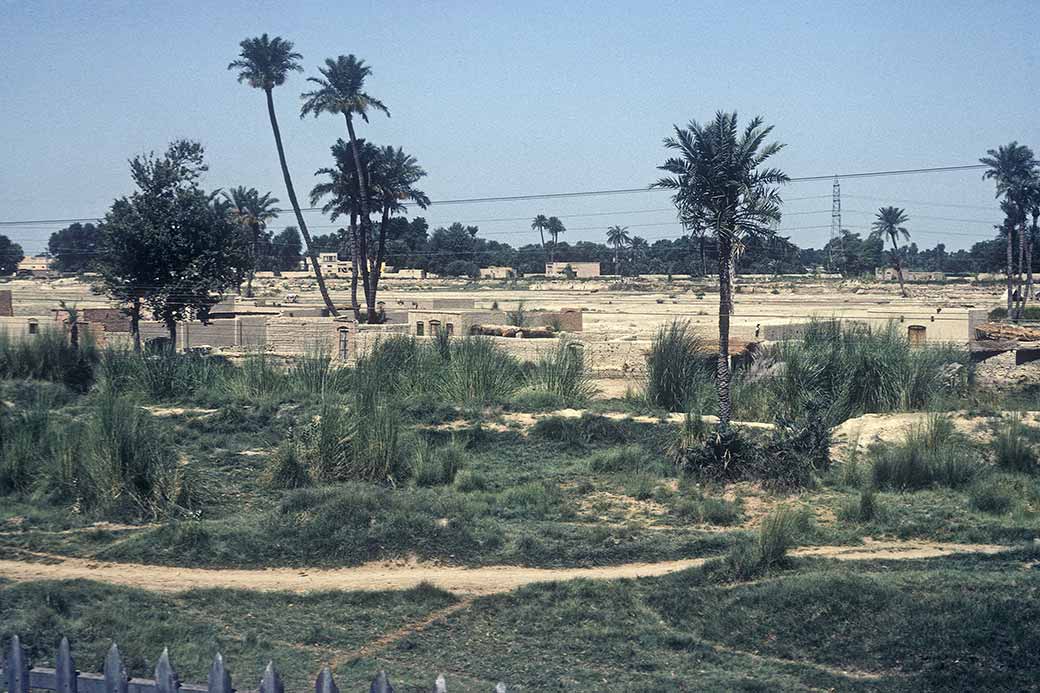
[[468, 480], [1012, 449], [702, 509], [990, 495], [859, 369], [725, 454], [286, 468], [864, 508], [563, 374], [931, 454], [49, 356], [578, 432], [478, 372], [749, 560], [796, 454], [362, 443], [677, 375], [436, 466], [626, 458]]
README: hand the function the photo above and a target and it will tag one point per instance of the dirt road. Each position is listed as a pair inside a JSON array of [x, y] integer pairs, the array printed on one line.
[[405, 575]]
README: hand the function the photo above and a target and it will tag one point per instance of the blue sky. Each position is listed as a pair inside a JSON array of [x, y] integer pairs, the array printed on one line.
[[499, 98]]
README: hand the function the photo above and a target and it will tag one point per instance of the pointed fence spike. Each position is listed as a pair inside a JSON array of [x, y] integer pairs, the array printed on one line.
[[325, 683], [440, 685], [219, 680], [271, 682], [64, 669], [166, 680], [381, 684], [17, 667], [115, 673], [500, 687]]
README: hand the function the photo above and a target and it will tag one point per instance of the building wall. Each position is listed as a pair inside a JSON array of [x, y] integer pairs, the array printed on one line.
[[582, 270], [6, 304], [497, 272]]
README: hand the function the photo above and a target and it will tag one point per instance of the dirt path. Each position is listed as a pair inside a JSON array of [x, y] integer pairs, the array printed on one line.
[[405, 575]]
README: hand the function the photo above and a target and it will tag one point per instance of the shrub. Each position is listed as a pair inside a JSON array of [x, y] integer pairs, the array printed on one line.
[[316, 373], [563, 374], [677, 377], [435, 466], [517, 317], [588, 429], [991, 495], [49, 356], [257, 380], [796, 453], [725, 454], [863, 508], [468, 480], [535, 500], [626, 458], [931, 454], [360, 444], [859, 369], [286, 468], [776, 535], [1012, 449], [478, 372], [702, 509]]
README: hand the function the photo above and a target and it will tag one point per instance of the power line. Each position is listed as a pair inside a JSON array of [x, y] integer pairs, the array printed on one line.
[[596, 193]]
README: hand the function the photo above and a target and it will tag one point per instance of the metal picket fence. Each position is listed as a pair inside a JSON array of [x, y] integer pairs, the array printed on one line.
[[21, 677]]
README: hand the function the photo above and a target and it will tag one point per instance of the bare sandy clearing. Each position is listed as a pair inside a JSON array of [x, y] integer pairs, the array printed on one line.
[[406, 575]]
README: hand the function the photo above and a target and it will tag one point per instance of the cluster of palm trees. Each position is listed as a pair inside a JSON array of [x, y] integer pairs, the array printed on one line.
[[251, 211], [365, 180], [551, 225], [1016, 172]]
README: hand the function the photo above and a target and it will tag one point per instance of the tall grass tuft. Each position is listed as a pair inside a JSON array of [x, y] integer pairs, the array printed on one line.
[[49, 356], [563, 375], [930, 454], [1012, 449], [677, 376], [478, 372], [257, 380], [316, 373], [859, 369]]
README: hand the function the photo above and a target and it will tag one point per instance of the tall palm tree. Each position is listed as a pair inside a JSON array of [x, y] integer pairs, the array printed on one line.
[[342, 189], [251, 211], [1013, 168], [541, 223], [393, 178], [555, 227], [341, 90], [264, 63], [1033, 206], [889, 224], [617, 236], [720, 184]]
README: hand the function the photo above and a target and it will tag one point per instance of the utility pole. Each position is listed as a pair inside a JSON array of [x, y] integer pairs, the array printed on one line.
[[837, 239]]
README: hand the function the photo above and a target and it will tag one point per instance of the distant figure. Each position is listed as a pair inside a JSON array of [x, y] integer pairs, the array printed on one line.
[[758, 329]]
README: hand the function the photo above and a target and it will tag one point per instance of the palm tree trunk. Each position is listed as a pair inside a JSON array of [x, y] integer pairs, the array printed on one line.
[[1010, 269], [1029, 258], [135, 322], [1021, 269], [255, 228], [722, 373], [355, 265], [377, 267], [171, 327], [899, 267], [296, 206], [366, 220], [704, 262]]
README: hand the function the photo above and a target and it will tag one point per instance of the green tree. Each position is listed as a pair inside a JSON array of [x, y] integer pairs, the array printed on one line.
[[1014, 170], [166, 246], [889, 224], [555, 227], [264, 63], [10, 255], [341, 90], [720, 184], [540, 224], [74, 247], [251, 211], [287, 249], [617, 238]]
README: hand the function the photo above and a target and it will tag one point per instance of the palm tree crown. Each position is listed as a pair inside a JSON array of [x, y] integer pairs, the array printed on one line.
[[341, 89], [617, 236], [342, 186], [250, 208], [265, 62], [1013, 167], [889, 223], [717, 177]]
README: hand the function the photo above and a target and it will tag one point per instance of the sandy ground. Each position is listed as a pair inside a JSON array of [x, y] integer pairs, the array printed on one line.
[[406, 575]]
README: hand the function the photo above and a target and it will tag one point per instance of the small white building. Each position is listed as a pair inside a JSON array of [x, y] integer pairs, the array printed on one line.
[[497, 272], [35, 264]]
